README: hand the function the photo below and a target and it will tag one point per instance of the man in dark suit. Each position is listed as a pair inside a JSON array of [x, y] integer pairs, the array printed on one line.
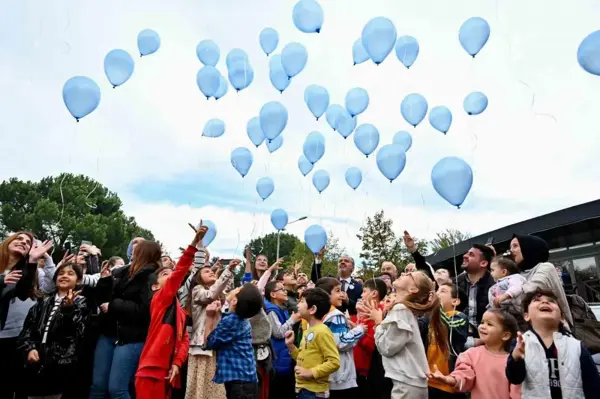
[[351, 288]]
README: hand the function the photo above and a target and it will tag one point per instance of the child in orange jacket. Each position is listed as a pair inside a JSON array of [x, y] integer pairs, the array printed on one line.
[[166, 347]]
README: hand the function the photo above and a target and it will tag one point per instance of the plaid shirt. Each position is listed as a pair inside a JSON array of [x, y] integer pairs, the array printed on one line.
[[232, 339]]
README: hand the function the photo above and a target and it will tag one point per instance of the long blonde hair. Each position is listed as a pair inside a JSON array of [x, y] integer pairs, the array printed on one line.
[[5, 253]]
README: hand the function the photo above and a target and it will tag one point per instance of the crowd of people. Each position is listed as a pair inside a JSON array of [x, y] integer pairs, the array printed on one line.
[[154, 328]]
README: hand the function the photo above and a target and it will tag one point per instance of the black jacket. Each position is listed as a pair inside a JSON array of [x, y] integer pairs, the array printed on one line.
[[483, 286], [59, 355], [23, 289], [128, 316]]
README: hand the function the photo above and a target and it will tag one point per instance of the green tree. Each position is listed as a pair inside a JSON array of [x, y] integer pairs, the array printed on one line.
[[333, 252], [447, 238], [267, 245], [68, 209]]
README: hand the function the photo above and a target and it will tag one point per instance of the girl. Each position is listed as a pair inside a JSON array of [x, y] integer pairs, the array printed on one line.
[[205, 302], [18, 293], [52, 335], [398, 338], [480, 370], [125, 305]]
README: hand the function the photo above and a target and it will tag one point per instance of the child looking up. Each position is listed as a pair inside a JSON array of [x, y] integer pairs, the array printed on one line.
[[547, 360], [479, 369], [317, 356]]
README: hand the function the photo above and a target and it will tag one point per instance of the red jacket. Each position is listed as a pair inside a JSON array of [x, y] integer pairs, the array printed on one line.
[[166, 346], [363, 351]]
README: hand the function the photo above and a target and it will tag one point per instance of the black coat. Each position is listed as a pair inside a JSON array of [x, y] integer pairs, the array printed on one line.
[[128, 316], [59, 355], [354, 289], [483, 286], [23, 289]]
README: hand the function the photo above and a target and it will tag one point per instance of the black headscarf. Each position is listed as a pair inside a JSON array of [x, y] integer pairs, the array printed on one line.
[[534, 251]]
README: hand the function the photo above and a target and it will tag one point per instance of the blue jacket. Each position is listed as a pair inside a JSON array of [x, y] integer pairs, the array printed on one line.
[[283, 363]]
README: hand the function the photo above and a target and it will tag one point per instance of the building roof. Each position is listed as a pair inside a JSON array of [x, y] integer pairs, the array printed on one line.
[[568, 227]]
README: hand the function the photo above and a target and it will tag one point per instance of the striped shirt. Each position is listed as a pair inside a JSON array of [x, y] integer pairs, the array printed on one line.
[[57, 302]]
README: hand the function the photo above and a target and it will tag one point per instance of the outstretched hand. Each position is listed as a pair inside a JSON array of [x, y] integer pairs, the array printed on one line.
[[200, 233], [276, 266], [67, 258], [519, 352], [69, 299], [39, 251], [233, 264], [409, 241]]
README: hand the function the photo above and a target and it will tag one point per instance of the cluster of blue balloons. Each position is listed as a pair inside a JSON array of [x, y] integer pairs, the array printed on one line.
[[210, 81], [315, 236], [283, 67], [81, 94]]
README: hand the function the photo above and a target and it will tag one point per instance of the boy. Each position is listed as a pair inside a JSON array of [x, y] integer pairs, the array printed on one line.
[[167, 344], [457, 325], [317, 356], [547, 360], [291, 285], [343, 381], [232, 339], [281, 322], [374, 290]]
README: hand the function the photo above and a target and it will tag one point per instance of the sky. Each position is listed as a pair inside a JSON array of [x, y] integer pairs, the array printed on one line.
[[533, 151]]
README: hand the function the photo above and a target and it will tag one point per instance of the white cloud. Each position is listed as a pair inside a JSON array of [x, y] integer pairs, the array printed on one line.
[[525, 161]]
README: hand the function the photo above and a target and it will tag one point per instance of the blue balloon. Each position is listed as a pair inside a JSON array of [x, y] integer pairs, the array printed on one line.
[[275, 144], [208, 52], [378, 38], [240, 74], [214, 128], [391, 160], [223, 87], [279, 219], [314, 147], [333, 113], [148, 42], [403, 139], [254, 131], [452, 179], [241, 159], [346, 123], [304, 165], [414, 108], [440, 118], [265, 187], [308, 16], [269, 39], [359, 54], [273, 119], [353, 177], [320, 180], [475, 103], [588, 53], [407, 50], [293, 58], [317, 100], [211, 233], [366, 138], [473, 35], [81, 96], [279, 78], [315, 238], [118, 67], [208, 80], [357, 100], [236, 55]]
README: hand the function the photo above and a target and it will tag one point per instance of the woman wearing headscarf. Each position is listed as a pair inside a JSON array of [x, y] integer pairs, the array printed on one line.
[[18, 293], [531, 255]]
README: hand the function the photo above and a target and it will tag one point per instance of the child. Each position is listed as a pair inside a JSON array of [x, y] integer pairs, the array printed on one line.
[[317, 356], [232, 338], [374, 290], [281, 322], [509, 283], [398, 337], [479, 369], [205, 304], [343, 381], [442, 276], [570, 370], [52, 335], [167, 344], [457, 325]]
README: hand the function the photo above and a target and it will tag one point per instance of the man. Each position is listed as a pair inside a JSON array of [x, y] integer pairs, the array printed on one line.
[[351, 289], [389, 268], [476, 281]]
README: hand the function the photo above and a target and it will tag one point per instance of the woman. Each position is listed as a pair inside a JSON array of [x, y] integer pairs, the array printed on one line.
[[531, 255], [18, 293], [125, 296]]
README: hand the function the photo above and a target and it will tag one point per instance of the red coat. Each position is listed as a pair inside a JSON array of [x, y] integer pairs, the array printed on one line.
[[363, 351], [166, 346]]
